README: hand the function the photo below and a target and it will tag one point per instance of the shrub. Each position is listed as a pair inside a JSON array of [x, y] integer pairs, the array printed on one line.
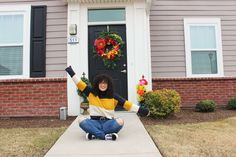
[[162, 103], [205, 106], [231, 104]]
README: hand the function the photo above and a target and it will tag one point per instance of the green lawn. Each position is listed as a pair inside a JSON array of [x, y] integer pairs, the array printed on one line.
[[23, 142], [206, 139]]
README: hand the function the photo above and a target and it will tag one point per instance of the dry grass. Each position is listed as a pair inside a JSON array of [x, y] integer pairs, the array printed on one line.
[[28, 141], [206, 139]]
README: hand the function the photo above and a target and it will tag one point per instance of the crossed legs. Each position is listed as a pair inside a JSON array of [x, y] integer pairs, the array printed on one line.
[[99, 128]]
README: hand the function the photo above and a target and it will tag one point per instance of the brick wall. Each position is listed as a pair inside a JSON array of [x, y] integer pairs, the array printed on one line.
[[32, 97], [192, 90]]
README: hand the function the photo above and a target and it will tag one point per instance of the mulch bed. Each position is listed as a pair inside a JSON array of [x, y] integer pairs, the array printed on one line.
[[35, 122], [184, 116], [191, 116]]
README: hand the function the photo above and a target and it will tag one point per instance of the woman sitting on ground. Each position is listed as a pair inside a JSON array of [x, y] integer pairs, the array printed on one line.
[[102, 102]]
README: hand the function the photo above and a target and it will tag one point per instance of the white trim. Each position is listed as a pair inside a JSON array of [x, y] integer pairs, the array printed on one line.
[[24, 10], [203, 22], [14, 8], [12, 44], [98, 1], [204, 49], [138, 46], [73, 58]]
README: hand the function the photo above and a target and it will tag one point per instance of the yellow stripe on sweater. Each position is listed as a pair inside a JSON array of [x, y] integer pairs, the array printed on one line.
[[81, 85], [108, 104], [128, 105]]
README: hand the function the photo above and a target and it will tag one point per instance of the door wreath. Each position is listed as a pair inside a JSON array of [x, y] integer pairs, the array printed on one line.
[[108, 47]]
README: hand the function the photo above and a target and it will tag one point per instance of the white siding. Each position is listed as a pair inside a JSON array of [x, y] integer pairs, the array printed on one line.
[[167, 33], [56, 48]]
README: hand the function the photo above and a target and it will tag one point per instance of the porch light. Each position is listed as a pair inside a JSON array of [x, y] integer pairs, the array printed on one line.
[[73, 29]]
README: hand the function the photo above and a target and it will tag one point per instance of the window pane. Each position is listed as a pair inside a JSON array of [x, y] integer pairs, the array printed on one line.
[[11, 29], [204, 62], [101, 15], [11, 60], [202, 37]]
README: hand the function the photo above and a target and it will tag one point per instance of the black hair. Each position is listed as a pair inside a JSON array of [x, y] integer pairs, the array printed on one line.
[[103, 78]]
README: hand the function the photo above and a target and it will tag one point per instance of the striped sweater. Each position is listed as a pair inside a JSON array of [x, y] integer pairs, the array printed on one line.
[[102, 106]]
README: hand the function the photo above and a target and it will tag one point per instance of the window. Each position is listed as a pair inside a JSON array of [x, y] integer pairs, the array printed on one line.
[[103, 15], [14, 42], [203, 47]]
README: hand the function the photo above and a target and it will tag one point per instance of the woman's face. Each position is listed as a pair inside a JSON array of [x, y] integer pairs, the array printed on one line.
[[103, 86]]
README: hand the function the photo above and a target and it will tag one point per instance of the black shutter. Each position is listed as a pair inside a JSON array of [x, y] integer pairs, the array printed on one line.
[[38, 41]]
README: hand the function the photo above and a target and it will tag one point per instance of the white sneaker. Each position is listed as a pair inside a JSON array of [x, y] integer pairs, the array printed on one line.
[[112, 136], [90, 136]]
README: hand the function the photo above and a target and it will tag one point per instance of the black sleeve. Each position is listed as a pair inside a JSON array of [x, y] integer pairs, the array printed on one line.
[[121, 100]]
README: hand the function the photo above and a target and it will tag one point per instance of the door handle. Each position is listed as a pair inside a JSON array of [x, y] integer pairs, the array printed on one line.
[[123, 71]]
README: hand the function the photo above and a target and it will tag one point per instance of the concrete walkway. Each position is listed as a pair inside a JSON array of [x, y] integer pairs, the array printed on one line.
[[134, 141]]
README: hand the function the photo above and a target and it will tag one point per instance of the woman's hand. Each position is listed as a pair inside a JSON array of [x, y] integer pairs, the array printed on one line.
[[70, 71]]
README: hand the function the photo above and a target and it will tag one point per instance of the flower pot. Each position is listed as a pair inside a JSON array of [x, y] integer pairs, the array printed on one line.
[[84, 106]]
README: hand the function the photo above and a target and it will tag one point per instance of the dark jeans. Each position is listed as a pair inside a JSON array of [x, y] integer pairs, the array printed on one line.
[[99, 128]]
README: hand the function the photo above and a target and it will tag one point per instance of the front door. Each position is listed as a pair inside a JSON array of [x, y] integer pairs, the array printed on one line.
[[96, 66]]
